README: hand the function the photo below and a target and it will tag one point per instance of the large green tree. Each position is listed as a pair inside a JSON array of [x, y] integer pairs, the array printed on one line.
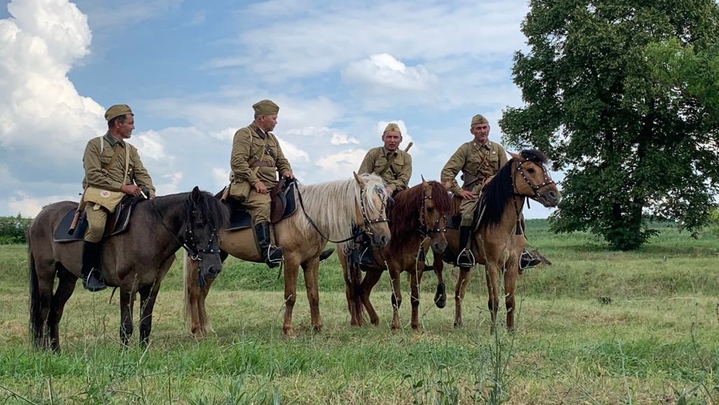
[[622, 95]]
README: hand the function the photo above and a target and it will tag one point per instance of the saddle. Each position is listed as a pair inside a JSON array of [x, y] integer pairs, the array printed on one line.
[[117, 222], [283, 204]]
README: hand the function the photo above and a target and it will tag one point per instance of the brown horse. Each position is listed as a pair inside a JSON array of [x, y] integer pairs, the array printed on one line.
[[330, 211], [418, 220], [498, 238], [135, 261]]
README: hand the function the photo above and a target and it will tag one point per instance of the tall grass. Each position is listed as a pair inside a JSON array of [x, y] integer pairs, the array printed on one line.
[[595, 327]]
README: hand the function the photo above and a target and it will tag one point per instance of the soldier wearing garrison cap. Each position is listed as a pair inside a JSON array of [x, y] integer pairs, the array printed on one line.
[[112, 168], [255, 162], [389, 162], [394, 166], [479, 160]]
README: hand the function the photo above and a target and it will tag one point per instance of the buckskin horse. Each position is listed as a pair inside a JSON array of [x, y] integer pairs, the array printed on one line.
[[498, 236], [418, 219], [331, 210], [135, 260]]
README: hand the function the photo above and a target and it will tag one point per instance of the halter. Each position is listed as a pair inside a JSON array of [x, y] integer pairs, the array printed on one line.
[[424, 230], [188, 241]]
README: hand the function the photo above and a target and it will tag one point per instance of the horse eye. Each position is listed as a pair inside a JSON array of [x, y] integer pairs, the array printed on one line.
[[531, 170], [430, 209]]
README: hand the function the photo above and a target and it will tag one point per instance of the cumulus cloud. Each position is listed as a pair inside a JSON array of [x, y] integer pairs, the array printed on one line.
[[42, 116], [384, 72], [343, 162]]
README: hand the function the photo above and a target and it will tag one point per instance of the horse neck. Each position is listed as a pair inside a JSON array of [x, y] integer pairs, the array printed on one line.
[[330, 206], [167, 218]]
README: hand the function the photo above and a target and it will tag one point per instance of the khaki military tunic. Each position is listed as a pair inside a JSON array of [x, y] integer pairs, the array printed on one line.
[[397, 175], [98, 155], [477, 163], [256, 156]]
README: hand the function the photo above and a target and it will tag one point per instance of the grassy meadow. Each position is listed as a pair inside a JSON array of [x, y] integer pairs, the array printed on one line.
[[595, 327]]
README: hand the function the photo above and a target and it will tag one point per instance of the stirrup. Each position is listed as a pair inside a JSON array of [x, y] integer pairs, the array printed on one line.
[[527, 260], [465, 258], [93, 282], [275, 254]]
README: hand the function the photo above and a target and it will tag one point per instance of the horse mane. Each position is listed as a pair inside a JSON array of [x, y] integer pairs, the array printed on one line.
[[214, 212], [497, 193], [407, 207], [331, 204]]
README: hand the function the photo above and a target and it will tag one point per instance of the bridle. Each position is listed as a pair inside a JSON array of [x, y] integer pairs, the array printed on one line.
[[424, 230], [535, 188], [187, 239], [360, 230]]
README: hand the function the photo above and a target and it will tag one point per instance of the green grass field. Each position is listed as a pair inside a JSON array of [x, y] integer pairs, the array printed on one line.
[[595, 327]]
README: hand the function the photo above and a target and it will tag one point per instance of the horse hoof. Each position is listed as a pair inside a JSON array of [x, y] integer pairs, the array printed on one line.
[[317, 328], [458, 325], [440, 302], [290, 334]]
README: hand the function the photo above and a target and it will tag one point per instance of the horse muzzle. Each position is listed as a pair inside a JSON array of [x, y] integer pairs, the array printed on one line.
[[549, 198]]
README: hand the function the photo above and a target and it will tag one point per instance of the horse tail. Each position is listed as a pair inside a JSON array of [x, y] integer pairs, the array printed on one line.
[[36, 321], [194, 311]]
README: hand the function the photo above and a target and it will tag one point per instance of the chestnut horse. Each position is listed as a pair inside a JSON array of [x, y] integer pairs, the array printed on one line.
[[136, 260], [418, 220], [498, 236], [329, 211]]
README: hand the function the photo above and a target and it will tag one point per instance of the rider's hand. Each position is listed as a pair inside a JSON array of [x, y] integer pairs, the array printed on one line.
[[131, 189], [467, 195], [260, 187]]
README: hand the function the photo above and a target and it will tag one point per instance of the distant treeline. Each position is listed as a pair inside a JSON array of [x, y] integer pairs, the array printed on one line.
[[12, 229]]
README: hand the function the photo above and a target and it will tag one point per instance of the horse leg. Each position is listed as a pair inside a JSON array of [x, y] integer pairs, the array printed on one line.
[[492, 275], [193, 296], [127, 300], [42, 277], [459, 290], [65, 288], [148, 297], [440, 297], [371, 278], [354, 305], [396, 297], [414, 299], [510, 281], [310, 267], [291, 270]]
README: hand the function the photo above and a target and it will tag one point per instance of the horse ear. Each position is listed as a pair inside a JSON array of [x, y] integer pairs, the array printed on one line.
[[196, 193], [359, 180], [422, 176], [515, 156]]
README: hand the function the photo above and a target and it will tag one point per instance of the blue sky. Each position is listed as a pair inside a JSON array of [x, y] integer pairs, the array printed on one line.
[[192, 69]]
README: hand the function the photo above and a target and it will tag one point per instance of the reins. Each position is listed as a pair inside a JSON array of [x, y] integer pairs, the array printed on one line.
[[191, 247], [359, 232]]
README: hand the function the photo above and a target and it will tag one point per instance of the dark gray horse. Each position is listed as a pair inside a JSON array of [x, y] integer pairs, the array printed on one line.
[[134, 261]]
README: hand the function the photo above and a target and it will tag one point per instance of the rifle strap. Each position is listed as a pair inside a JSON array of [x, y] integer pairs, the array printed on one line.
[[387, 166]]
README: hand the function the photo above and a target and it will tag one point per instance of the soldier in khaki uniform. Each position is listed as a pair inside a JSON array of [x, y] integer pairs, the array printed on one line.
[[255, 161], [104, 163], [479, 160], [389, 162]]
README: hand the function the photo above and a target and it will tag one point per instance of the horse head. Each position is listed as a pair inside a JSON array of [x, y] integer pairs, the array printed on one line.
[[436, 206], [371, 211], [204, 217], [532, 179]]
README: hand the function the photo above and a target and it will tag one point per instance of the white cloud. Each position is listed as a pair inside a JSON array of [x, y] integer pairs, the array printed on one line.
[[344, 162], [342, 139], [385, 73], [151, 145], [29, 206], [41, 114]]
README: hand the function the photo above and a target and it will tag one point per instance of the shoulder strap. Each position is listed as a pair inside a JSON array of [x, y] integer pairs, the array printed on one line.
[[127, 163], [387, 166]]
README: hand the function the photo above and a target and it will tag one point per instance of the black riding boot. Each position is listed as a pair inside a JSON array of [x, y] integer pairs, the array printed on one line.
[[527, 260], [365, 253], [326, 253], [465, 258], [91, 273], [271, 254]]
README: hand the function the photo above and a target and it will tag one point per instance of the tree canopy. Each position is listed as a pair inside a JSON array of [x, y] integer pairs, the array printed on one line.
[[623, 96]]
